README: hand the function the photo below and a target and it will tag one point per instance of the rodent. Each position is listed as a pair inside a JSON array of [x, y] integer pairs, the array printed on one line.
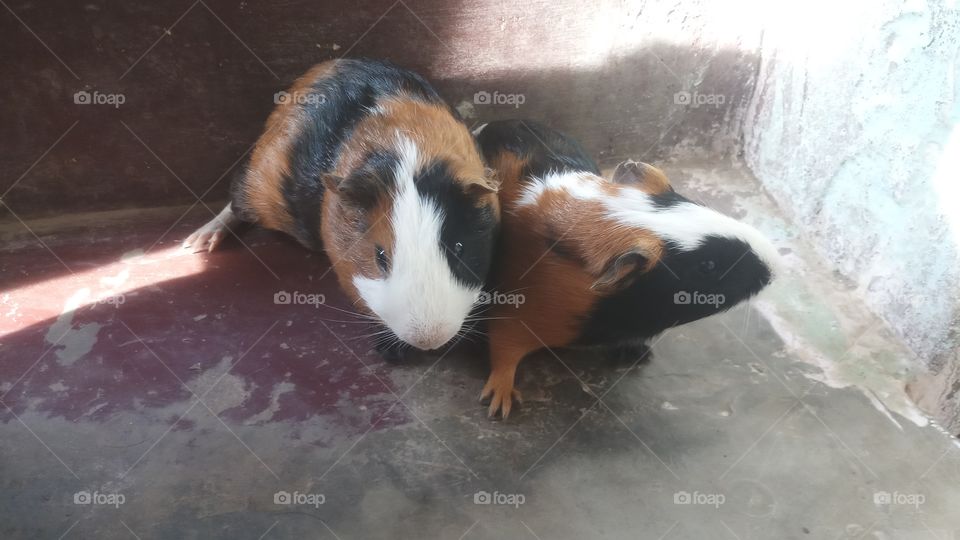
[[364, 160], [599, 262]]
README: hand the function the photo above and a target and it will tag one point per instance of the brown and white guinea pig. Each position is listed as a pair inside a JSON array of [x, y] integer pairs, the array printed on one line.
[[364, 160], [601, 262]]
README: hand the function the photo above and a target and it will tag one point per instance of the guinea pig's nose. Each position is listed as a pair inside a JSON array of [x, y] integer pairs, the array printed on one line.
[[431, 338]]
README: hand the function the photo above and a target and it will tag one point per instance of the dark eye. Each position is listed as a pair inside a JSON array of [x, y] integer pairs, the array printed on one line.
[[708, 267], [382, 260], [458, 250]]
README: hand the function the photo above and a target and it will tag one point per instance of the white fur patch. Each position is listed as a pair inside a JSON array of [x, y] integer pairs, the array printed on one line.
[[581, 185], [686, 225], [421, 300]]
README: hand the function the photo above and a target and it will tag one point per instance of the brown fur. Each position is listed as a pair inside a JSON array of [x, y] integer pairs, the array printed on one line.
[[350, 235], [559, 286], [351, 247], [269, 161], [642, 175], [438, 136], [585, 227]]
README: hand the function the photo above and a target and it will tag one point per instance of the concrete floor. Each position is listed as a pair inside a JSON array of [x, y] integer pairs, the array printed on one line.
[[174, 390]]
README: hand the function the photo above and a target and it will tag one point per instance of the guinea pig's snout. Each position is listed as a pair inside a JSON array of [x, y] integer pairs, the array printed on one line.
[[431, 337]]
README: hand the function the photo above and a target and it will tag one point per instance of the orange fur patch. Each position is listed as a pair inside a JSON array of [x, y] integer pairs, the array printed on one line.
[[557, 284], [436, 133], [654, 180], [650, 179], [350, 238], [508, 170], [269, 162], [585, 227]]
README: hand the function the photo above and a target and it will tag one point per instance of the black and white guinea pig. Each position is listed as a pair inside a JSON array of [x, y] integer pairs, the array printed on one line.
[[364, 160], [601, 262]]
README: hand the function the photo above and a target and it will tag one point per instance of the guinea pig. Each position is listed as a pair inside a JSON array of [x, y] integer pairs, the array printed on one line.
[[364, 160], [596, 262]]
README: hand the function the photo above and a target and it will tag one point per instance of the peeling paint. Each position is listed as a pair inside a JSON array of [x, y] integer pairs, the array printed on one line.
[[274, 407], [72, 342]]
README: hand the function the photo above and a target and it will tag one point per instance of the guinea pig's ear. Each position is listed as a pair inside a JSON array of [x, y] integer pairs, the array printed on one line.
[[488, 184], [356, 191], [620, 271], [641, 175]]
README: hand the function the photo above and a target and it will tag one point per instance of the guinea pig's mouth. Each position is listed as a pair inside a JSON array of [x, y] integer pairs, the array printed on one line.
[[427, 336], [428, 341]]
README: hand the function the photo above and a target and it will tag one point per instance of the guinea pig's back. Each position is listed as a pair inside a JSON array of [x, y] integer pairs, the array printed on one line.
[[281, 186], [522, 150]]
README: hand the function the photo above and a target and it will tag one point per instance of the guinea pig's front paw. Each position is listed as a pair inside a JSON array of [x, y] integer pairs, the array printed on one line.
[[208, 237], [501, 393]]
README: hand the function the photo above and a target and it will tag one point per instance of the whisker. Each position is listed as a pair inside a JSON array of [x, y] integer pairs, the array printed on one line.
[[354, 313], [374, 334], [347, 322]]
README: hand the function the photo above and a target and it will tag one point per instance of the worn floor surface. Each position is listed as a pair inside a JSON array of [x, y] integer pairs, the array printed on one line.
[[151, 393]]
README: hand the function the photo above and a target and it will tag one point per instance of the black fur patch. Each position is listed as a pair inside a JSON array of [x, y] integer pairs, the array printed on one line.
[[678, 290], [474, 228], [354, 87], [237, 201], [544, 149], [372, 181], [668, 198]]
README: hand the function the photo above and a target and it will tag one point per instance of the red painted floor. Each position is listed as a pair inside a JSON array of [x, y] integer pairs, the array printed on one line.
[[121, 322], [132, 369]]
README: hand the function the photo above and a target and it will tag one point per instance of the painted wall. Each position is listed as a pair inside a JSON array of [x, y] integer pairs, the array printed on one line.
[[192, 83], [853, 128]]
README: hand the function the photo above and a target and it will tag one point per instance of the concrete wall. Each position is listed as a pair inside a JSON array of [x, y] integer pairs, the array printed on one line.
[[198, 81], [853, 129]]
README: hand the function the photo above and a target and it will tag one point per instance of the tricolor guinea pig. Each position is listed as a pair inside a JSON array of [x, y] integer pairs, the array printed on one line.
[[599, 262], [364, 160]]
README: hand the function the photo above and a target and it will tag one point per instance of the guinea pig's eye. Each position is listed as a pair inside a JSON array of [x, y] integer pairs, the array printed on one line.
[[708, 267], [382, 260], [458, 250]]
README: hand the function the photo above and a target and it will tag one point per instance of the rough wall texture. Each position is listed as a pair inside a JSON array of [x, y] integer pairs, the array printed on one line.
[[198, 79], [856, 134]]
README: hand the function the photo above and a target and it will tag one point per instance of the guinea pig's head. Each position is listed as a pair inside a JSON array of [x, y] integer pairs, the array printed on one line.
[[682, 261], [411, 237]]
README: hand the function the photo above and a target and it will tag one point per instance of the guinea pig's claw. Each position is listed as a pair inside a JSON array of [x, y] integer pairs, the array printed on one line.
[[501, 398], [211, 234], [204, 239]]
